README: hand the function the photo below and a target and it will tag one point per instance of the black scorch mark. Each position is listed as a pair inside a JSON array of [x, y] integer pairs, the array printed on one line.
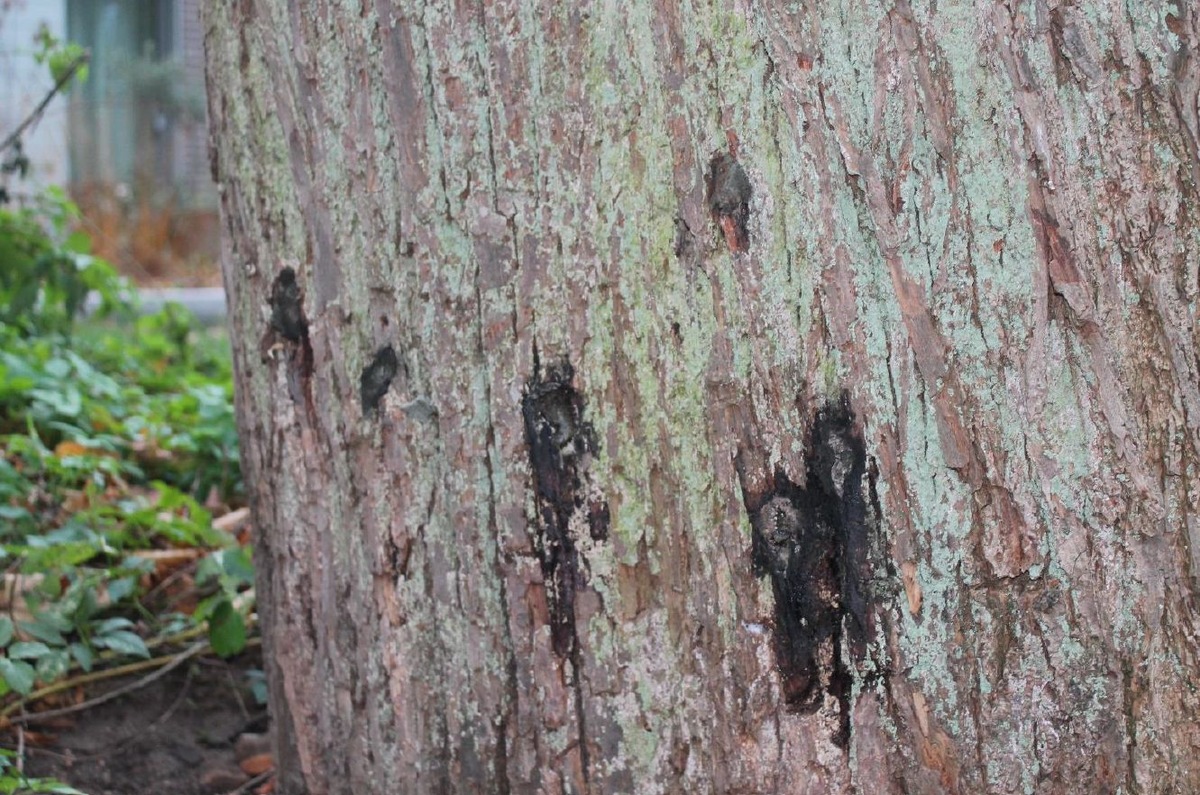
[[561, 444], [288, 329], [287, 307], [377, 377], [813, 541]]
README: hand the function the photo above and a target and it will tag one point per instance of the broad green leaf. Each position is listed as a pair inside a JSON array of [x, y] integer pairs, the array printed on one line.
[[124, 642], [226, 630], [58, 367], [50, 587], [6, 630], [119, 589], [42, 632], [53, 666], [110, 625], [208, 605], [88, 605], [28, 650], [69, 602], [208, 568], [63, 399], [82, 655], [19, 675], [52, 618], [237, 565]]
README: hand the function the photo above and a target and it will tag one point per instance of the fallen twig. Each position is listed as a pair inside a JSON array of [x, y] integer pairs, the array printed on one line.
[[168, 663], [252, 783]]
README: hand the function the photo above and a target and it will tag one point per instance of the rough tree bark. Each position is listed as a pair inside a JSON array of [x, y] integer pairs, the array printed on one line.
[[719, 397]]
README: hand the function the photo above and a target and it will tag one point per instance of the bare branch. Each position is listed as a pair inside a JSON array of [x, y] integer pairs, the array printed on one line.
[[37, 112]]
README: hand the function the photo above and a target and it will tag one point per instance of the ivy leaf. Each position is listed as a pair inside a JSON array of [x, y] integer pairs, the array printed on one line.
[[82, 655], [119, 589], [28, 650], [110, 625], [43, 632], [19, 675], [124, 642], [226, 630], [53, 666]]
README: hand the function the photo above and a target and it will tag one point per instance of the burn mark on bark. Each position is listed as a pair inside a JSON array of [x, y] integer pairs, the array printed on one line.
[[289, 324], [813, 539], [561, 444], [377, 377], [287, 310], [729, 200]]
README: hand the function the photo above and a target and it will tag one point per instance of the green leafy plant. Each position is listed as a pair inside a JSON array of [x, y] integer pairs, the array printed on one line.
[[232, 572], [47, 270], [116, 437]]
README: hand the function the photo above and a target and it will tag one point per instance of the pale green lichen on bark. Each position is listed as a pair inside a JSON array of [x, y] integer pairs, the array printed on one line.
[[640, 248], [932, 501], [256, 160], [985, 195]]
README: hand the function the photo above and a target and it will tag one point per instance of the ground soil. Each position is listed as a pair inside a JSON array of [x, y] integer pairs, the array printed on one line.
[[176, 735]]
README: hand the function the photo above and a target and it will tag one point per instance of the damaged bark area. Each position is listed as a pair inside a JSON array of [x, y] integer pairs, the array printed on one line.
[[813, 541], [994, 243], [287, 307], [728, 190], [561, 444], [288, 329], [377, 378]]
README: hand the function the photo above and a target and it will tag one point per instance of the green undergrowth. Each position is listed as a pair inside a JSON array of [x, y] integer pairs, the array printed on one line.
[[118, 448]]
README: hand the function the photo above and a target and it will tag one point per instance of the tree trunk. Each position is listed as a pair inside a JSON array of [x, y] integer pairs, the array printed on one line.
[[733, 397]]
